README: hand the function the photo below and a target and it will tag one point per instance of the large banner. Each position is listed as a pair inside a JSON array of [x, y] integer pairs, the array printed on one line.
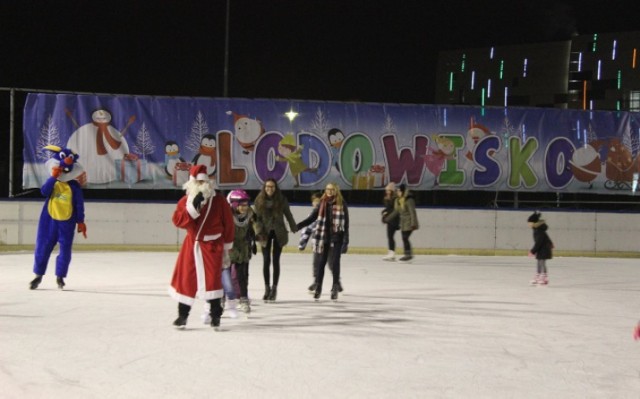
[[150, 143]]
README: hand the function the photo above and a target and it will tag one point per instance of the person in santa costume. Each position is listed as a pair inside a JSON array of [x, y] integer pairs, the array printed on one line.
[[208, 220]]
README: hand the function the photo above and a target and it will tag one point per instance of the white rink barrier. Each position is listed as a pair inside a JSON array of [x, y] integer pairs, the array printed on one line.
[[134, 223]]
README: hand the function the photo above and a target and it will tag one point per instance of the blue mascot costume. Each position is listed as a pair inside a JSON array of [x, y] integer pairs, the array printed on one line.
[[62, 211]]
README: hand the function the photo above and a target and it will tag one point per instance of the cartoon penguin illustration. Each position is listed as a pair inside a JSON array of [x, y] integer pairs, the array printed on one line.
[[171, 157], [247, 131], [207, 154], [335, 137]]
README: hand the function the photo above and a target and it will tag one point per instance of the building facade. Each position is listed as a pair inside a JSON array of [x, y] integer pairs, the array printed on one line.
[[596, 71]]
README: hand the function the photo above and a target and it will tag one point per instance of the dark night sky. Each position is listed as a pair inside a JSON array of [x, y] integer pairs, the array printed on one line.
[[375, 50]]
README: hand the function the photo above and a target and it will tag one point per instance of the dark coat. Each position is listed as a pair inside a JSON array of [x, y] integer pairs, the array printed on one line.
[[542, 244]]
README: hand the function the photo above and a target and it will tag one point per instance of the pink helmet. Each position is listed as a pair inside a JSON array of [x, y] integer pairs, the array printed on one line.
[[236, 197]]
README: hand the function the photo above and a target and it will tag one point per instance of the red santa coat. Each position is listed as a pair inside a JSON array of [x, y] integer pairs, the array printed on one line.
[[198, 271]]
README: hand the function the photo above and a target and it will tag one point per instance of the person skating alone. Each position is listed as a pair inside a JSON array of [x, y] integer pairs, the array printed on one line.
[[405, 208], [393, 224], [542, 248]]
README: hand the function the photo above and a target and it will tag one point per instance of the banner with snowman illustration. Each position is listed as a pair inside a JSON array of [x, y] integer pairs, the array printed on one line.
[[151, 142]]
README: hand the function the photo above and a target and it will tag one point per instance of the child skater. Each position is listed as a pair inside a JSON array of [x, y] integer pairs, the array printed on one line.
[[542, 247], [244, 243]]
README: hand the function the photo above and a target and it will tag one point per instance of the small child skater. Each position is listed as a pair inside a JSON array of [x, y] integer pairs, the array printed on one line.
[[306, 234], [542, 247], [239, 254], [244, 244]]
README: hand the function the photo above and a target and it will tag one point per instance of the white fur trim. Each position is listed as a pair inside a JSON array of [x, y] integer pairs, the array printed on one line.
[[228, 245], [191, 209]]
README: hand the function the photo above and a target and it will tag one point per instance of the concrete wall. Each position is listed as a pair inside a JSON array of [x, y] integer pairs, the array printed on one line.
[[150, 223]]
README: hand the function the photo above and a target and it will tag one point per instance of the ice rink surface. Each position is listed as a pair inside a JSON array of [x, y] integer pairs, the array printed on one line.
[[441, 327]]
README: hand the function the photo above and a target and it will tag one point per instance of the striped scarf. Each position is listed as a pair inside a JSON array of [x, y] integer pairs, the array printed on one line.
[[337, 217]]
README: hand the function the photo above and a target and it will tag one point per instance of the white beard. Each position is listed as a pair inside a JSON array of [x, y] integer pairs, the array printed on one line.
[[192, 189]]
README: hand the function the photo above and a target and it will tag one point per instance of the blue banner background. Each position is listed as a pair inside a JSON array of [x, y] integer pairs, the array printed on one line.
[[244, 141]]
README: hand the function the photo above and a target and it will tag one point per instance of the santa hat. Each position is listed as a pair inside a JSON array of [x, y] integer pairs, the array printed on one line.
[[236, 116], [198, 172]]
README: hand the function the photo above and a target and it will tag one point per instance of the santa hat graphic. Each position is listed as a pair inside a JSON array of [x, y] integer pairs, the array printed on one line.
[[198, 172], [236, 116]]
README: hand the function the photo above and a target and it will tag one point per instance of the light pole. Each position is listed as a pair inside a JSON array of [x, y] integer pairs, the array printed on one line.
[[225, 89]]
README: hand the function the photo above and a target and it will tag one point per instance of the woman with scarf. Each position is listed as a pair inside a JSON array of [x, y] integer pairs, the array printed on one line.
[[330, 236], [271, 209]]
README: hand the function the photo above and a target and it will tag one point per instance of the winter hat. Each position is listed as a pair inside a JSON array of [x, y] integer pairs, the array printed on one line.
[[534, 218], [391, 187], [402, 187], [198, 172]]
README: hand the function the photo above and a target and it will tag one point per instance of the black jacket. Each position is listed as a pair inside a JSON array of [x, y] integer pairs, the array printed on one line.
[[542, 244]]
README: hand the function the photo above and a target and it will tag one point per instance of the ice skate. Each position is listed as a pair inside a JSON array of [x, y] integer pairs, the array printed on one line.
[[215, 323], [535, 280], [35, 282], [543, 280], [267, 292], [60, 282], [390, 257], [316, 296], [405, 259], [312, 288], [334, 292], [232, 308], [180, 322], [206, 315], [273, 293], [340, 289], [245, 306]]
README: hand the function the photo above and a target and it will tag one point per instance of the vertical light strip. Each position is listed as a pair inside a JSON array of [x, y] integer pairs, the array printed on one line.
[[506, 95], [619, 79], [445, 117], [450, 81], [580, 62], [491, 53], [633, 59], [489, 88], [613, 50], [524, 68], [584, 94], [501, 69], [462, 64], [599, 69], [473, 79], [595, 41], [482, 98]]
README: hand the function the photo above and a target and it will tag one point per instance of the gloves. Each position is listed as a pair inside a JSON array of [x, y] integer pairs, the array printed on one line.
[[636, 332], [345, 247], [82, 228], [197, 201], [56, 172], [254, 248], [226, 259]]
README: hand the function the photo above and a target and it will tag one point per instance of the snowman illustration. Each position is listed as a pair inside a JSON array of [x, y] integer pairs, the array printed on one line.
[[100, 145]]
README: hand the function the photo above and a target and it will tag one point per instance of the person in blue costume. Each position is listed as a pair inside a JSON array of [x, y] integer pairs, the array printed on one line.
[[62, 211]]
